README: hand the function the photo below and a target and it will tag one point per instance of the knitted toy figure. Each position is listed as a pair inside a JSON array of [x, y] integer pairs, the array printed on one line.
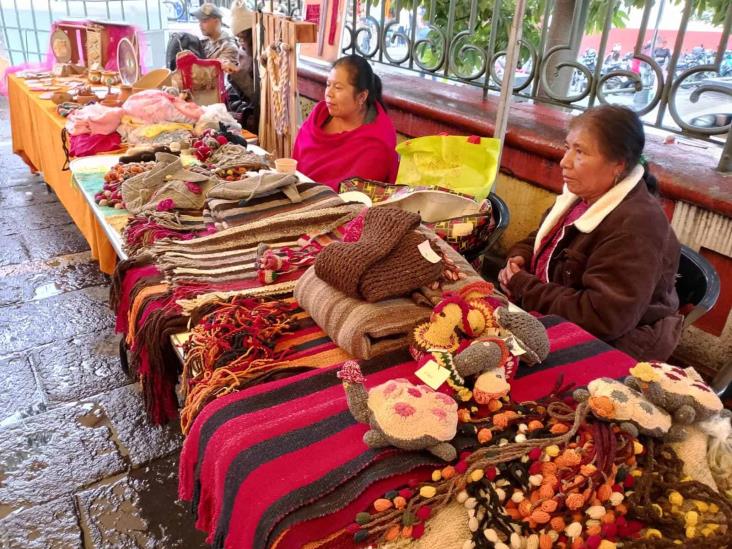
[[613, 401], [401, 414], [681, 392], [455, 316], [684, 394], [451, 317], [485, 358]]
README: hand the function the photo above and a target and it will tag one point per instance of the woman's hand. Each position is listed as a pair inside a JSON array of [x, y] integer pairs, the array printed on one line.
[[513, 265], [229, 67]]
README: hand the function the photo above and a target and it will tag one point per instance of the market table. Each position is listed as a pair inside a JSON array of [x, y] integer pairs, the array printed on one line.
[[282, 464], [36, 132]]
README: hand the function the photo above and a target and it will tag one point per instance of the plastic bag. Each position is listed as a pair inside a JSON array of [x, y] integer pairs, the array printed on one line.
[[466, 165]]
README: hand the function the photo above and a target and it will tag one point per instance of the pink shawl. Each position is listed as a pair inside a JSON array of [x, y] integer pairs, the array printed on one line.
[[366, 152]]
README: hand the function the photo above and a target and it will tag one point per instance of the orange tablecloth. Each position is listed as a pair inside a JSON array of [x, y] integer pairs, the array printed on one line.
[[36, 129]]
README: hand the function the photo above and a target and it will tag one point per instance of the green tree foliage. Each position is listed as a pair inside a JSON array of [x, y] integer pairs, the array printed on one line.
[[713, 11]]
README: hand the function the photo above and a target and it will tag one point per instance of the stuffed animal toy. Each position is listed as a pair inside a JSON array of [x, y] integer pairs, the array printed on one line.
[[681, 392], [690, 401], [613, 401], [486, 358], [470, 314], [401, 414]]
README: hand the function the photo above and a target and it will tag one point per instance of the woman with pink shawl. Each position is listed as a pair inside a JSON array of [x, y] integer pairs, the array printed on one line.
[[349, 134]]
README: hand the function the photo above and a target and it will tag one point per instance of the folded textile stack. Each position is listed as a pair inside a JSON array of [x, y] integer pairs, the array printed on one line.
[[263, 196], [365, 329], [230, 254]]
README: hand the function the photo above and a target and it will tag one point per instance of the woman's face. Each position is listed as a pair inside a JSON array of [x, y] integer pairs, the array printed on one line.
[[340, 95], [586, 171]]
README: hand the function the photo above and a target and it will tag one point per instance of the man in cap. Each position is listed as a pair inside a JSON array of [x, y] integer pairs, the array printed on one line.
[[217, 43]]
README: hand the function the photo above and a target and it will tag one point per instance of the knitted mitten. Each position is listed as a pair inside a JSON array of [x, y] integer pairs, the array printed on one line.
[[401, 272], [342, 264]]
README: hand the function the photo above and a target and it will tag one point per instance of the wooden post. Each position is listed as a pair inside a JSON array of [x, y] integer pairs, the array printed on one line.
[[278, 28]]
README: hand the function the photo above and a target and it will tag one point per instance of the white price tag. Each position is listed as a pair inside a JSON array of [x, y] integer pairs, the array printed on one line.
[[432, 374], [428, 253]]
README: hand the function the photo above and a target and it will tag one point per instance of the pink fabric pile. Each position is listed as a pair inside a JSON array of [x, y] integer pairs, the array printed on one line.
[[155, 106]]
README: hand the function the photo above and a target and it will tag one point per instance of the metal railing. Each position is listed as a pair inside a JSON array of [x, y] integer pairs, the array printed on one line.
[[454, 40]]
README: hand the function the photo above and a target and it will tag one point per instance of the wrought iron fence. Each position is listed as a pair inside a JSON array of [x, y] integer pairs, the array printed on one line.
[[465, 41]]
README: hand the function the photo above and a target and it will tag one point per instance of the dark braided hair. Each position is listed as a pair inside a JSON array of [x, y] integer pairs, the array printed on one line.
[[620, 137], [363, 78]]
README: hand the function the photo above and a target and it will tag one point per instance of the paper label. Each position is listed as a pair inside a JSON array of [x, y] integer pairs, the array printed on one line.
[[515, 346], [432, 374], [428, 253], [514, 308]]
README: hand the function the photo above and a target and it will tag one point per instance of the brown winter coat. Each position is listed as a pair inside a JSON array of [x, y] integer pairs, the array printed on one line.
[[612, 273]]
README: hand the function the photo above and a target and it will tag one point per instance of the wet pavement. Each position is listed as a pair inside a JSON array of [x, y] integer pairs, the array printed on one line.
[[80, 465]]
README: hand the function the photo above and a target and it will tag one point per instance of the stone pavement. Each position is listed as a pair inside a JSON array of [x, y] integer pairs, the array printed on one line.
[[80, 465]]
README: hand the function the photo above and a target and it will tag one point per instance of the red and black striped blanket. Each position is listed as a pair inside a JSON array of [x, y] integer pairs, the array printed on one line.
[[283, 463]]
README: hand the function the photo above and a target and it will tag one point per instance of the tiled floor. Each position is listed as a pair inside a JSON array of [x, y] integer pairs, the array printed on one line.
[[80, 466]]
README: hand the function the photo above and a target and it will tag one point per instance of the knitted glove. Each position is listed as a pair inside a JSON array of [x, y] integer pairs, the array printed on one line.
[[342, 264], [401, 272]]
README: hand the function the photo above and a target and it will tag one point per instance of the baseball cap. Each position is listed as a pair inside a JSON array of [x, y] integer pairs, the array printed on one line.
[[208, 10]]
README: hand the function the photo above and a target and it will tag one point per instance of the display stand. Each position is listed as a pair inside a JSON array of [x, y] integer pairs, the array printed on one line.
[[275, 45]]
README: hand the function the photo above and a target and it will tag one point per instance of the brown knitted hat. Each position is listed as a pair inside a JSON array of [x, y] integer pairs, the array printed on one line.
[[402, 271], [342, 264]]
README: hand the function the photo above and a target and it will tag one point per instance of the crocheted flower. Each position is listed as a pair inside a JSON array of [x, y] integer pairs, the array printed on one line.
[[195, 189], [351, 372], [165, 205], [645, 372], [352, 231]]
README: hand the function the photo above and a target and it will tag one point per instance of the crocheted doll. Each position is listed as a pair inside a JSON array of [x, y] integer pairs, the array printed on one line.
[[401, 414], [613, 401], [455, 317], [485, 358], [681, 392]]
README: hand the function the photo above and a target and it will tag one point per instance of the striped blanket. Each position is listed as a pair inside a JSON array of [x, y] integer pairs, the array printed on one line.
[[283, 463], [227, 212], [230, 255]]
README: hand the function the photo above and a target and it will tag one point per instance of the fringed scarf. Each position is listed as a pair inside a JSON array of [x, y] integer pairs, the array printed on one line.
[[144, 230]]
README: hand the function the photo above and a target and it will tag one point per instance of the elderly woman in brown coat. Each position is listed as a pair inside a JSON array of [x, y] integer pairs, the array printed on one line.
[[605, 256]]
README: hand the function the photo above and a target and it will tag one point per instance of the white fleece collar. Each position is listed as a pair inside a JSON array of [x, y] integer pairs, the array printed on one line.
[[589, 220]]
